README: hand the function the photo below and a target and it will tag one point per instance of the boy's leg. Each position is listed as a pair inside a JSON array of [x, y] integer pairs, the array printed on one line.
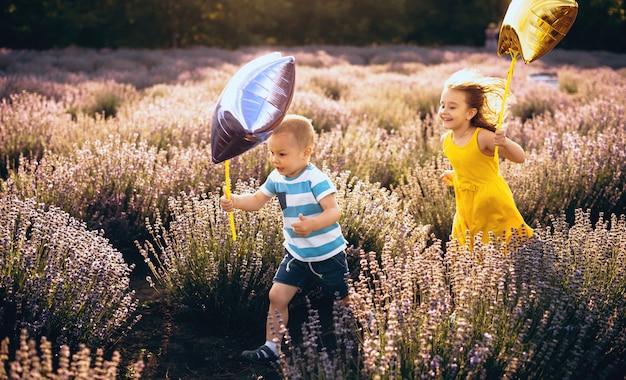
[[280, 296], [287, 282], [267, 353]]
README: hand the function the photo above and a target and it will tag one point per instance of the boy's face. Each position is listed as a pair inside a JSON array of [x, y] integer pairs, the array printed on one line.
[[286, 156]]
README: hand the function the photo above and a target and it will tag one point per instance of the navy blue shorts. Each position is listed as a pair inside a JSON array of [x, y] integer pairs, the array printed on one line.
[[331, 274]]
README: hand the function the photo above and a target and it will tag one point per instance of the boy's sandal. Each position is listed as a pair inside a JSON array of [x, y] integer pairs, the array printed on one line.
[[262, 355]]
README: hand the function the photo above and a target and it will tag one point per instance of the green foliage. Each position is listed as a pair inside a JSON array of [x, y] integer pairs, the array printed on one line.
[[47, 24], [452, 22], [598, 26], [28, 24]]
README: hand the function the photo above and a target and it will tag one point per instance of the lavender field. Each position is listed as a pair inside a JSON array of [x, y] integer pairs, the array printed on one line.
[[109, 206]]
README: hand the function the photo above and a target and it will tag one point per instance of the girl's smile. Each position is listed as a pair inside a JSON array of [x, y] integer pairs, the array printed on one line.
[[454, 112]]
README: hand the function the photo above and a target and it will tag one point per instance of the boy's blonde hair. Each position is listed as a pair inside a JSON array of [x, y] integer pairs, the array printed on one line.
[[483, 93], [300, 126]]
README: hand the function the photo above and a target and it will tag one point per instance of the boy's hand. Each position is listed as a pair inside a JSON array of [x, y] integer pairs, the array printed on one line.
[[303, 227], [227, 204]]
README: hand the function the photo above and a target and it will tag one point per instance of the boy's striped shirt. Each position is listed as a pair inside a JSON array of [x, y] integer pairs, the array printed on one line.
[[301, 195]]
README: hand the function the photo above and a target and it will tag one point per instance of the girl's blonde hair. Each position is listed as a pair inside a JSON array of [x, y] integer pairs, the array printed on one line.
[[483, 93], [300, 126]]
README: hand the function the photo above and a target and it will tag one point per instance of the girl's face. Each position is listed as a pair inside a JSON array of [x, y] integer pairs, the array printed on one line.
[[287, 157], [454, 112]]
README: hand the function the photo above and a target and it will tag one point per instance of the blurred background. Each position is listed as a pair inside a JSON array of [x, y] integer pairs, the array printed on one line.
[[230, 24]]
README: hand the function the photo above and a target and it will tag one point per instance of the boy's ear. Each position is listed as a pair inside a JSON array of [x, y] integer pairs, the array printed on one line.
[[308, 150]]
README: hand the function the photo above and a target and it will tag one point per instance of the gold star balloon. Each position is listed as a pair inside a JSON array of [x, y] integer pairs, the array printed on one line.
[[531, 28]]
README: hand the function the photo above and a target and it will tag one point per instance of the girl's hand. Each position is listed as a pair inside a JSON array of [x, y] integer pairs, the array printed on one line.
[[499, 138], [447, 177], [227, 204], [509, 149]]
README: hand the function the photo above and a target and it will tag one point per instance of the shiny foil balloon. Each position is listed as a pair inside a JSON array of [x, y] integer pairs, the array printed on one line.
[[531, 28], [253, 102]]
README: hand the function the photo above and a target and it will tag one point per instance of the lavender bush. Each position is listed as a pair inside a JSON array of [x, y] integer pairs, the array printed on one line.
[[114, 185], [551, 308], [58, 279], [43, 362], [197, 262], [119, 140]]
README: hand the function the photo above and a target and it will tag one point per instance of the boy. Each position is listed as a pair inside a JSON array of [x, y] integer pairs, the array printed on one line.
[[314, 244]]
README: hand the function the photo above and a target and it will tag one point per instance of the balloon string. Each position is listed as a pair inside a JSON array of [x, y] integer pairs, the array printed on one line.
[[506, 91], [231, 217]]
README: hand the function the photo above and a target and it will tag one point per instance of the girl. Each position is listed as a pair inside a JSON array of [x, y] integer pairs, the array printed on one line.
[[484, 202]]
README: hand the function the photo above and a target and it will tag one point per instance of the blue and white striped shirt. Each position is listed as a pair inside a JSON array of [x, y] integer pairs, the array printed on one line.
[[301, 195]]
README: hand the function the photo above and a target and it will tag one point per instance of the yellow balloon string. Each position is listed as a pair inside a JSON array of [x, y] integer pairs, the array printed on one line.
[[231, 217], [506, 91]]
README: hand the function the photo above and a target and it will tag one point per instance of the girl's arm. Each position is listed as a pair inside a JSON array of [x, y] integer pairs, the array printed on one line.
[[507, 148], [330, 215], [245, 202]]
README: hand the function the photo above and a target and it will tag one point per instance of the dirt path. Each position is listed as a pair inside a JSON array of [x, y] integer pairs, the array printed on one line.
[[178, 347]]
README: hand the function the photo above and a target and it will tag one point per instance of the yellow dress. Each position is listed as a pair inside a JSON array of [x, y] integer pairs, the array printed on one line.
[[484, 201]]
